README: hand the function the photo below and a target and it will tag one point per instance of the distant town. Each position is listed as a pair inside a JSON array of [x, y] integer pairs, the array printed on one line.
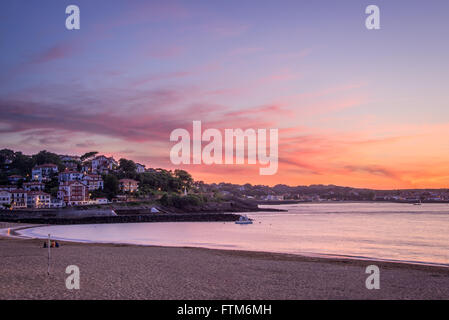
[[49, 180]]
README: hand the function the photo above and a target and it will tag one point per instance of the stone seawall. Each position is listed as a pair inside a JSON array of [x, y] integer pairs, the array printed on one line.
[[190, 217]]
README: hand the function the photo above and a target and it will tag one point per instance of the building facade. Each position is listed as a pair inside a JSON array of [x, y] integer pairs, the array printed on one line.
[[34, 186], [44, 172], [102, 164], [70, 175], [14, 178], [19, 198], [8, 188], [73, 193], [93, 182], [5, 199], [128, 185], [38, 199], [140, 168]]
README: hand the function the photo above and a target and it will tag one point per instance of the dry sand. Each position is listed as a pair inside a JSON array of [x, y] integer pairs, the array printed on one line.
[[137, 272]]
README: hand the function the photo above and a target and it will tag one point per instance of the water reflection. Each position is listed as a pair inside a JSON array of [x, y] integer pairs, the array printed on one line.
[[373, 230]]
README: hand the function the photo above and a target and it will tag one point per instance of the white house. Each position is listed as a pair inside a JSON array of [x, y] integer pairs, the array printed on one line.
[[93, 181], [73, 193], [5, 199], [272, 197], [38, 199], [102, 164], [8, 188], [65, 158], [99, 201], [56, 203], [70, 162], [44, 171], [14, 178], [19, 198], [34, 186], [128, 185], [140, 168], [86, 167], [70, 175]]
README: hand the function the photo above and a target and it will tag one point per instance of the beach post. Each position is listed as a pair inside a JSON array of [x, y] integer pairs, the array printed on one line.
[[48, 260]]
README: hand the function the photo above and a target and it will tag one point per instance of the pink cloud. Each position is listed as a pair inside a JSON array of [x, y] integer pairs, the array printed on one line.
[[244, 51], [56, 52], [260, 111], [282, 75], [166, 52]]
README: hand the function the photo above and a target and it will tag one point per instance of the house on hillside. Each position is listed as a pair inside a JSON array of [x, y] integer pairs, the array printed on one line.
[[14, 178], [34, 186], [93, 181], [128, 185], [38, 199], [65, 158], [19, 198], [102, 164], [70, 162], [73, 193], [44, 172], [8, 188], [70, 175], [5, 199], [140, 168]]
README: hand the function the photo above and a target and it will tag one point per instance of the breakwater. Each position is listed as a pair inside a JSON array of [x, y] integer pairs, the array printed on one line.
[[178, 217]]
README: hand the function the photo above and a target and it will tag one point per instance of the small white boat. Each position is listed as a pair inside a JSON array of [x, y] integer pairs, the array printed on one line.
[[417, 203], [244, 220]]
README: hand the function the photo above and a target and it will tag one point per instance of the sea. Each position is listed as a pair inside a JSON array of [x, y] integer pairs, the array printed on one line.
[[376, 231]]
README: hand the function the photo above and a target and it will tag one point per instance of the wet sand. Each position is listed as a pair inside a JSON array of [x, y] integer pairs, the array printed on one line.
[[138, 272]]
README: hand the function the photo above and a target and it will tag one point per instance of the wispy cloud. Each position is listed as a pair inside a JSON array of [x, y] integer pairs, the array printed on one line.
[[59, 51]]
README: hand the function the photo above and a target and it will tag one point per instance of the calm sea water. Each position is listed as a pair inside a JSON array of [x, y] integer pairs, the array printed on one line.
[[383, 231]]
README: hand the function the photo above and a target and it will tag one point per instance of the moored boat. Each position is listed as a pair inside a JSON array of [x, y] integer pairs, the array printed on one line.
[[244, 220]]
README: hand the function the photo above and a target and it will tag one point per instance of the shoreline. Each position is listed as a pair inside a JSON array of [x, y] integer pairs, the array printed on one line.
[[319, 256], [113, 271], [126, 271]]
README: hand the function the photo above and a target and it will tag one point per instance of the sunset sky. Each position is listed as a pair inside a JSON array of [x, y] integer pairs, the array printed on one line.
[[355, 107]]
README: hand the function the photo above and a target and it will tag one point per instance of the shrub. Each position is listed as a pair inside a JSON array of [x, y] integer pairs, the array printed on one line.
[[174, 200]]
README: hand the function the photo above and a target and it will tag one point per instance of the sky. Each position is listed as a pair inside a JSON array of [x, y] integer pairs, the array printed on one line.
[[354, 107]]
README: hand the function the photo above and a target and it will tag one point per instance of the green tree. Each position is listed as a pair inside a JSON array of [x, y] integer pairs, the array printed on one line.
[[95, 194], [46, 157], [185, 178], [127, 166], [159, 179], [6, 154], [4, 179], [177, 201], [22, 164], [111, 185], [52, 186], [88, 155]]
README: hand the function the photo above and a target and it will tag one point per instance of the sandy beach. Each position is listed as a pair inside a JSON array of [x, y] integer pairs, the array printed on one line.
[[137, 272]]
